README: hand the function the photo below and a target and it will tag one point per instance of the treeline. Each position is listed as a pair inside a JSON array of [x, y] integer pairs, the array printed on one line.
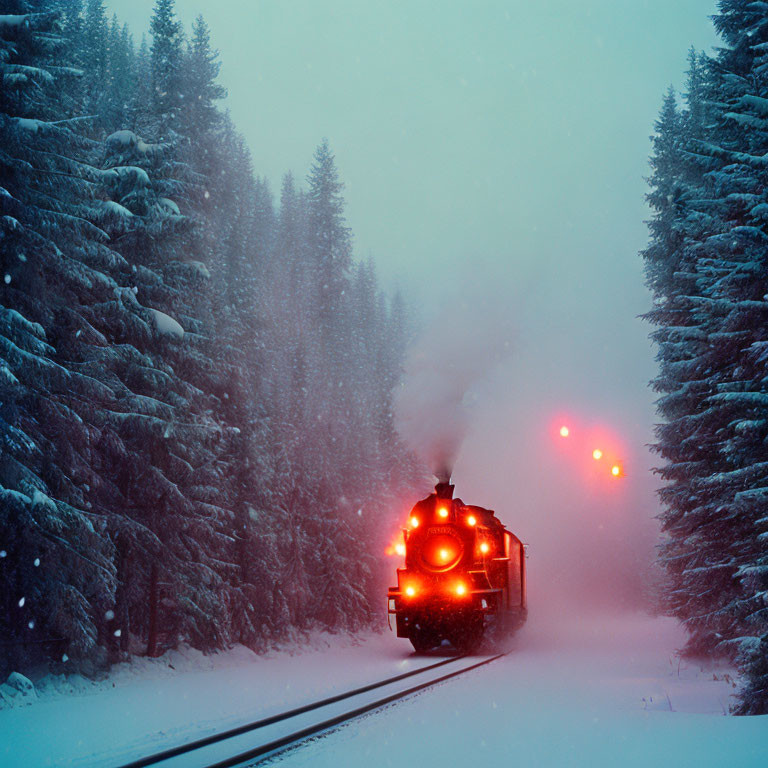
[[196, 439], [707, 265]]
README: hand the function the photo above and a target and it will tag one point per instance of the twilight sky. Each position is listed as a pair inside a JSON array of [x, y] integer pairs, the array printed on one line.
[[467, 133], [494, 150]]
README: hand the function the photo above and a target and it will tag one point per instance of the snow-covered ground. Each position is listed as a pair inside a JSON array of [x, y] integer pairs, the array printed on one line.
[[596, 691], [151, 704], [602, 692]]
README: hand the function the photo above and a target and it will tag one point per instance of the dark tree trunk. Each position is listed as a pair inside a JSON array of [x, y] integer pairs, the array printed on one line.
[[153, 600]]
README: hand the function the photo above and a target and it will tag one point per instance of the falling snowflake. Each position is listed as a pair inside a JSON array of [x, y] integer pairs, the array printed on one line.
[[37, 562], [22, 601], [65, 658], [109, 615], [3, 553], [118, 632], [31, 625], [7, 279]]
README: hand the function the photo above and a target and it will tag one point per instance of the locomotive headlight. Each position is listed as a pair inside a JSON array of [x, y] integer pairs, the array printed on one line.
[[443, 512], [414, 522], [471, 520], [485, 548], [461, 589], [440, 551], [410, 591], [400, 549]]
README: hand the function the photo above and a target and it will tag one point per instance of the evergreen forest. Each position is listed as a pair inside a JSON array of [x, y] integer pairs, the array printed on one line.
[[196, 432], [707, 267]]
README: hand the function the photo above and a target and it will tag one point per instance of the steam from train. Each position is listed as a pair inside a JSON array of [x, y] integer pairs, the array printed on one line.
[[444, 373]]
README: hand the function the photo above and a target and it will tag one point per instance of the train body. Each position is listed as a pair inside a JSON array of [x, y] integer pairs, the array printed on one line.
[[464, 572]]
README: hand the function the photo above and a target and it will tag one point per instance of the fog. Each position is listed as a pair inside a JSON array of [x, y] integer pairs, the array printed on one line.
[[482, 403], [455, 354], [493, 156]]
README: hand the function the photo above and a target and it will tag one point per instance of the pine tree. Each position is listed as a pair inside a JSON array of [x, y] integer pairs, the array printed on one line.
[[137, 117], [94, 58], [173, 526], [166, 75], [201, 117], [121, 78], [707, 267], [195, 390], [329, 237], [57, 573]]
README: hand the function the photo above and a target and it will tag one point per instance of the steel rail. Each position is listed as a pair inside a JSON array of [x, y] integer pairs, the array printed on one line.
[[239, 730], [272, 748]]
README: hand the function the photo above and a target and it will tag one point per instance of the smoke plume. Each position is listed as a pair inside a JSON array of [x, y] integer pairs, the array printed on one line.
[[444, 372]]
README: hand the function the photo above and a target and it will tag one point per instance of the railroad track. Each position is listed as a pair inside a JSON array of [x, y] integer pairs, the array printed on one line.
[[252, 743]]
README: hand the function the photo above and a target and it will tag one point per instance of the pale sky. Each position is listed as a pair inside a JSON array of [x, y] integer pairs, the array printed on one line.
[[491, 148]]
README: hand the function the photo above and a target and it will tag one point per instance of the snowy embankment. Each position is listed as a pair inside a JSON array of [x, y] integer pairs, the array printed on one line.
[[602, 692], [151, 704]]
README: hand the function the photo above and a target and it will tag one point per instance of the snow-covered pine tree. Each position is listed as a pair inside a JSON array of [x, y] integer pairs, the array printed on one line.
[[712, 375], [57, 572], [735, 285], [685, 351], [329, 237], [121, 77], [194, 393], [93, 57], [232, 246], [200, 114], [172, 533], [137, 117], [166, 69]]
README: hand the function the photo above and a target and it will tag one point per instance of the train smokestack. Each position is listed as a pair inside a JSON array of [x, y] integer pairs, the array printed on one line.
[[443, 473], [444, 490]]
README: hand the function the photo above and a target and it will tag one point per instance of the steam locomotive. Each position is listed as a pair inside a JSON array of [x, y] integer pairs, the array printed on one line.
[[464, 572]]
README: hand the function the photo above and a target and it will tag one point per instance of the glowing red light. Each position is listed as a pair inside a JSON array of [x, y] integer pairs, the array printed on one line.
[[597, 454], [564, 431]]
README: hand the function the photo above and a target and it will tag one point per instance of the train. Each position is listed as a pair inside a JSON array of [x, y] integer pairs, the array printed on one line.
[[464, 574]]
